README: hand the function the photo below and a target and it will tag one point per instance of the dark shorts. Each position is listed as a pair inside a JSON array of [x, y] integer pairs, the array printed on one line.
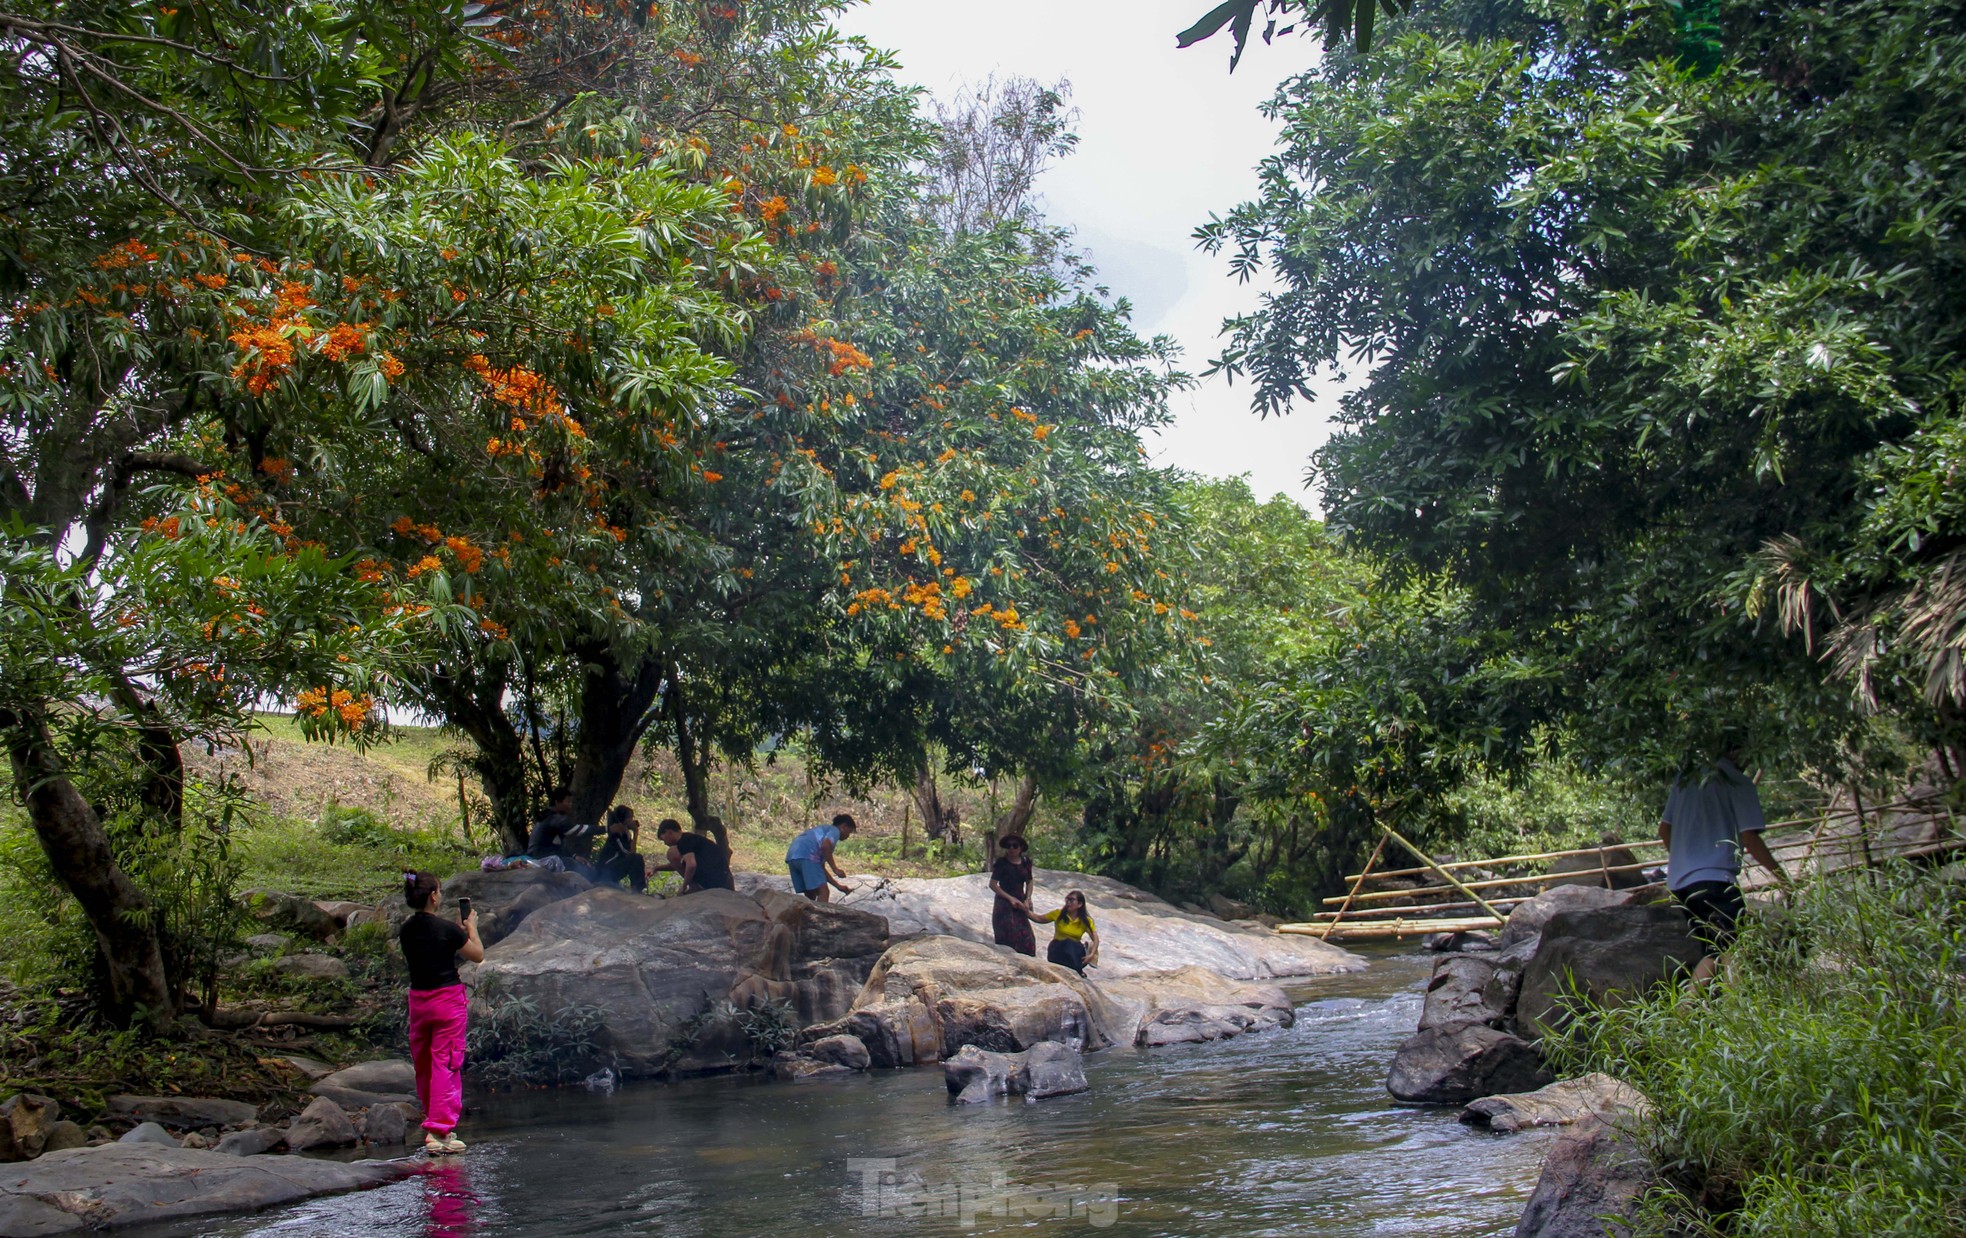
[[807, 875], [1716, 908]]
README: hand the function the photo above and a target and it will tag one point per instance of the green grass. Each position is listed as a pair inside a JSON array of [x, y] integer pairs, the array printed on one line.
[[1820, 1086]]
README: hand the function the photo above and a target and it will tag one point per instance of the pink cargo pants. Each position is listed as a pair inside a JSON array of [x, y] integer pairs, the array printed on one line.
[[437, 1019]]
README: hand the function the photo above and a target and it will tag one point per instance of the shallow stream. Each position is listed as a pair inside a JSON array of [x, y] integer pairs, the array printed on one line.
[[1289, 1133]]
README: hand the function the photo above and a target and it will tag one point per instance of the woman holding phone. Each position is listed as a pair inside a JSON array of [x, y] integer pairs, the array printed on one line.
[[439, 1006]]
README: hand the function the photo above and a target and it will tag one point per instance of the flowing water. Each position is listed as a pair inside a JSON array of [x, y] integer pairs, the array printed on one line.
[[1287, 1133]]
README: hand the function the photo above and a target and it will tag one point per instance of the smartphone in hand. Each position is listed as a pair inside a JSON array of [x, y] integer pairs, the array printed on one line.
[[463, 908]]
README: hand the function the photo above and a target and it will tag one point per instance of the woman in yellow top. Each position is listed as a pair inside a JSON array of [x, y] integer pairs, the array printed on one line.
[[1076, 942]]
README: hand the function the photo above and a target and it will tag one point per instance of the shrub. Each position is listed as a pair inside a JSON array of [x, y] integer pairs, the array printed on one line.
[[512, 1043], [1819, 1087]]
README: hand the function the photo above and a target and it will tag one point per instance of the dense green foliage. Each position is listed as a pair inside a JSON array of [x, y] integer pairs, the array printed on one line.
[[1818, 1089], [1659, 365]]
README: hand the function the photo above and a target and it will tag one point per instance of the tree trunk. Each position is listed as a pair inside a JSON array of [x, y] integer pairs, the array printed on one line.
[[472, 699], [938, 820], [692, 753], [137, 990], [615, 712]]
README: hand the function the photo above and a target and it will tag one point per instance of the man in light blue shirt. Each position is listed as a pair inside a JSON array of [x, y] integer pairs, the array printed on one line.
[[811, 854], [1708, 821]]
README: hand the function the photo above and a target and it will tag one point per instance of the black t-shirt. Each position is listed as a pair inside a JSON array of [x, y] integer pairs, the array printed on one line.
[[712, 865], [1015, 879], [549, 835], [430, 946]]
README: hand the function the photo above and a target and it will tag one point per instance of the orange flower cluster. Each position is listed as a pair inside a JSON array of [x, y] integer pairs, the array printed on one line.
[[278, 469], [391, 368], [269, 354], [166, 527], [405, 527], [493, 629], [469, 557], [1072, 628], [344, 340], [126, 255], [928, 597], [517, 387], [353, 710], [771, 208], [428, 563]]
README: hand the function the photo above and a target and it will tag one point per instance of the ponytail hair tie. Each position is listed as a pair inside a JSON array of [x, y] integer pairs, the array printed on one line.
[[409, 876]]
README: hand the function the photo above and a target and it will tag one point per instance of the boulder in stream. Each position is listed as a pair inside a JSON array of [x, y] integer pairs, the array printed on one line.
[[1604, 954], [1595, 1174], [1562, 1103], [323, 1124], [122, 1184], [1456, 1064], [1044, 1070], [182, 1113], [928, 997], [658, 967]]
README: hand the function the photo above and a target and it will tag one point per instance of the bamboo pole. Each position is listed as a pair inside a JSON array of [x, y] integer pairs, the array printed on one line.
[[1406, 910], [1360, 879], [1773, 827], [1361, 931], [1450, 878], [1491, 883]]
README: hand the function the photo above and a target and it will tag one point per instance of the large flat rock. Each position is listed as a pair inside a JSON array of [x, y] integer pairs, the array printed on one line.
[[122, 1184], [655, 965], [1137, 931]]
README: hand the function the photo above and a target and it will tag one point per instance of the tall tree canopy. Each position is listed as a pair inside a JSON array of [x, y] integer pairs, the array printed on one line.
[[1660, 363]]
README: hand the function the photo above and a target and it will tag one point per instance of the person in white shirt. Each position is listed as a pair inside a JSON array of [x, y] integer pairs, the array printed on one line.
[[1709, 820]]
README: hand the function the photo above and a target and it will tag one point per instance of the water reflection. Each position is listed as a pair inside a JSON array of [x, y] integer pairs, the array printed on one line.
[[452, 1206]]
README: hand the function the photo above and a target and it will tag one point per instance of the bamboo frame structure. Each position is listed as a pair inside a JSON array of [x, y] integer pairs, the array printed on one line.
[[1365, 914]]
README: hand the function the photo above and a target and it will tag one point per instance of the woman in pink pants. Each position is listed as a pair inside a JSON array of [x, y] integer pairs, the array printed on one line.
[[432, 945]]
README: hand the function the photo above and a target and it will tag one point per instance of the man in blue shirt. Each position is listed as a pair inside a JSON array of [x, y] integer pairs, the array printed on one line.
[[1706, 825], [811, 854]]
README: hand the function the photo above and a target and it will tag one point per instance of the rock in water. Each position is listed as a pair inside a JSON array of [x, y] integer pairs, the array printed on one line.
[[840, 1050], [1454, 1065], [149, 1133], [1562, 1103], [976, 1075], [323, 1124], [1046, 1069], [122, 1184], [1461, 992], [1604, 953], [654, 965], [1593, 1172], [1054, 1070], [1526, 922], [929, 997], [255, 1142], [385, 1125]]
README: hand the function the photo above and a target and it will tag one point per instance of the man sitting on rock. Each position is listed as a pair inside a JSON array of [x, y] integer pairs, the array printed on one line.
[[1705, 827], [703, 864], [549, 832], [618, 858]]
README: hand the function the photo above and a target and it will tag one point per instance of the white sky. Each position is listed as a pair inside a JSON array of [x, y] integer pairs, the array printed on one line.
[[1165, 138]]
